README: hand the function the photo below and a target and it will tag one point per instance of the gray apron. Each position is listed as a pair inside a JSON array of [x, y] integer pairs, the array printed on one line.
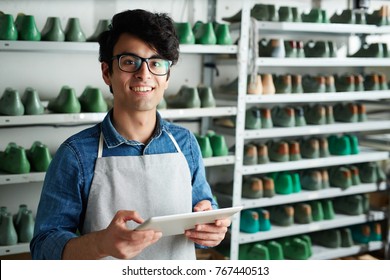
[[152, 185]]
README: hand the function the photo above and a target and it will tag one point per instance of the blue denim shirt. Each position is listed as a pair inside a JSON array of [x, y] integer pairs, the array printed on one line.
[[64, 196]]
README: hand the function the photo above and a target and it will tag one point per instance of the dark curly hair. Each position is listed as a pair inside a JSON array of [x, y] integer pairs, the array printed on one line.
[[155, 29]]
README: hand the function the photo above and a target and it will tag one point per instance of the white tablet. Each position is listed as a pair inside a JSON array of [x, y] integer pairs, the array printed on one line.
[[177, 224]]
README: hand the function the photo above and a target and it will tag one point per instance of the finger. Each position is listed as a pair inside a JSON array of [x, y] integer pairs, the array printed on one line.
[[223, 222], [203, 205], [126, 215]]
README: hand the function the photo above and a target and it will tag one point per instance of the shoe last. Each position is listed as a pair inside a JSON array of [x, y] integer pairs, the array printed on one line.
[[205, 34], [367, 172], [349, 205], [184, 33], [282, 215], [327, 206], [340, 177], [275, 250], [294, 151], [28, 29], [31, 102], [18, 216], [346, 112], [65, 102], [355, 175], [14, 160], [346, 16], [73, 31], [8, 29], [268, 187], [296, 81], [206, 97], [314, 15], [346, 237], [317, 49], [316, 210], [249, 221], [282, 83], [187, 97], [299, 116], [26, 228], [8, 235], [255, 86], [253, 118], [302, 213], [328, 238], [256, 251], [205, 146], [339, 145], [266, 118], [291, 49], [262, 154], [361, 233], [296, 182], [11, 103], [268, 84], [283, 116], [285, 14], [296, 248], [92, 100], [311, 180], [218, 145], [375, 232], [39, 157], [250, 154], [252, 187], [103, 25], [264, 219], [52, 31], [283, 182], [222, 33], [325, 179], [278, 151], [310, 148], [324, 147]]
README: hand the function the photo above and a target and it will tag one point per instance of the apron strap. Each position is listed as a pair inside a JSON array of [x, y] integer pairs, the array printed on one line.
[[174, 142], [100, 150]]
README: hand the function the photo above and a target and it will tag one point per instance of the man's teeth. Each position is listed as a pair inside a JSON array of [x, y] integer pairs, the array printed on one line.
[[142, 88]]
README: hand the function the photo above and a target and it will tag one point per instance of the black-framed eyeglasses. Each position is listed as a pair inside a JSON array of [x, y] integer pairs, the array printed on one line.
[[130, 63]]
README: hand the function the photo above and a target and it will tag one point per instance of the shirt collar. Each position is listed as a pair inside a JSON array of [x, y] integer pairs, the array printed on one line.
[[113, 139]]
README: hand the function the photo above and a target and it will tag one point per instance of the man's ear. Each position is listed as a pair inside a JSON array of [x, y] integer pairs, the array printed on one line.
[[105, 73]]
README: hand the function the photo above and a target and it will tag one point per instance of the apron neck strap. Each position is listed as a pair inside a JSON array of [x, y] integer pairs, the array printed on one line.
[[100, 149]]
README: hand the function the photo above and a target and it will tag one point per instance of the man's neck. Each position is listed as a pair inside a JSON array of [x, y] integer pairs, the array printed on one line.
[[137, 126]]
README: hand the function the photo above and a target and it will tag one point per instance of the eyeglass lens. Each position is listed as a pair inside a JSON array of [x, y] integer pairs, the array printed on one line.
[[130, 63]]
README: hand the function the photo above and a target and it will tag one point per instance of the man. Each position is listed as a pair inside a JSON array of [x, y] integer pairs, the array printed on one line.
[[132, 166]]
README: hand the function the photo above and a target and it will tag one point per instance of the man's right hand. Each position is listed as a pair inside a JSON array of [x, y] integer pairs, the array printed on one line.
[[116, 240]]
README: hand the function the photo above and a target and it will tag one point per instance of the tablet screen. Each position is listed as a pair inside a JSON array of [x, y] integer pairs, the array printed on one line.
[[177, 224]]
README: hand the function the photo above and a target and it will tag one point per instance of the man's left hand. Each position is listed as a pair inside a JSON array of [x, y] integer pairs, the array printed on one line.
[[209, 235]]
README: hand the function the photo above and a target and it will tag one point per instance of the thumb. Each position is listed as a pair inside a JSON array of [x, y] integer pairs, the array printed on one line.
[[203, 205], [122, 216]]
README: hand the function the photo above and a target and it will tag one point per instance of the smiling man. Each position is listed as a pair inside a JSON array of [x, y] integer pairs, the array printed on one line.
[[131, 166]]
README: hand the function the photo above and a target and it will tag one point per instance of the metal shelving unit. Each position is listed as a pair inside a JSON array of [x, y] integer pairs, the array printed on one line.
[[90, 118], [243, 135], [338, 221]]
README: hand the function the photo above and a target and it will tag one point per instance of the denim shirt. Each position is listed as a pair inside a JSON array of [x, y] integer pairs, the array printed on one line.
[[64, 197]]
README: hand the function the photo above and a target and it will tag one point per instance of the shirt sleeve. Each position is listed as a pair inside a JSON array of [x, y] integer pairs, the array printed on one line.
[[60, 206]]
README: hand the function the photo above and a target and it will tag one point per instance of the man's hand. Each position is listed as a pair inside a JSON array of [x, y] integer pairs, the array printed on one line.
[[116, 240], [208, 234], [120, 242]]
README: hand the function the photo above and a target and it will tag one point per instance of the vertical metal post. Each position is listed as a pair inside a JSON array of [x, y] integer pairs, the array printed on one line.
[[242, 64]]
